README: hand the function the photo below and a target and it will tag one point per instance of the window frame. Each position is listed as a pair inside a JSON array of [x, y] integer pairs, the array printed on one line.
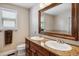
[[1, 19]]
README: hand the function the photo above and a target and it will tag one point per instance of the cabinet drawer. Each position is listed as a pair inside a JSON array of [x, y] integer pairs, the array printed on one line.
[[38, 49]]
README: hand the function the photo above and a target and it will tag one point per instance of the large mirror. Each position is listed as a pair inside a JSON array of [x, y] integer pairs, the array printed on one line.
[[57, 20]]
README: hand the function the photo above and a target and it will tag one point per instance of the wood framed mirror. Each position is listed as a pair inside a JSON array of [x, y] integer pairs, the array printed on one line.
[[59, 20]]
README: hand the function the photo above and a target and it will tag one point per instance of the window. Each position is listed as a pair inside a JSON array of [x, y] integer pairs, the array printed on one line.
[[43, 23], [9, 23], [8, 18]]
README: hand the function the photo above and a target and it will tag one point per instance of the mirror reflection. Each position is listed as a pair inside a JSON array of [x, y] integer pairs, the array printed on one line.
[[57, 19]]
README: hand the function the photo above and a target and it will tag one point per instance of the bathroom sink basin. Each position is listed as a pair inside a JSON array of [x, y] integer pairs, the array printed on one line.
[[37, 38], [58, 46]]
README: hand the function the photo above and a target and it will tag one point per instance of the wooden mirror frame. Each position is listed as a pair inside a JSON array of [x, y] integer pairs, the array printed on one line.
[[74, 35]]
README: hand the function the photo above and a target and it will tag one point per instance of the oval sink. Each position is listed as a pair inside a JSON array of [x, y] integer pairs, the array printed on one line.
[[58, 46], [37, 38]]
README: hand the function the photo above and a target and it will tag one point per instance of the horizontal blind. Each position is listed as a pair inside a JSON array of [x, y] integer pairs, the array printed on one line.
[[8, 18]]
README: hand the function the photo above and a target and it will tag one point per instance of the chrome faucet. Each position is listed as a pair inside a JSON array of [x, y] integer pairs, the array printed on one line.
[[60, 41]]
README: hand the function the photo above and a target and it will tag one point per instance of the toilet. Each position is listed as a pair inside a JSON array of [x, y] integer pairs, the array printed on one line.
[[21, 50]]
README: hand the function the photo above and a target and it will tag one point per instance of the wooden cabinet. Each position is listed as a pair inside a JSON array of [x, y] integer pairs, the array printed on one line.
[[38, 50], [28, 52], [52, 54], [33, 49], [78, 20]]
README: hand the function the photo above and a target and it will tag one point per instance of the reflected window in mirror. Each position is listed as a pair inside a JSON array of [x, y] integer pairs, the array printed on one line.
[[43, 22]]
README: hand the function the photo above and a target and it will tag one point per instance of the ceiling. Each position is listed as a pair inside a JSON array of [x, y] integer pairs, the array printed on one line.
[[59, 9], [25, 5]]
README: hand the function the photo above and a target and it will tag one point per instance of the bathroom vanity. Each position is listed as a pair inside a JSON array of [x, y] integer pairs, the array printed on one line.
[[58, 20], [32, 49], [38, 48]]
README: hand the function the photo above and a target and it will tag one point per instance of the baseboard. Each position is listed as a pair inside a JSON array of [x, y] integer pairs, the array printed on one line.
[[7, 52]]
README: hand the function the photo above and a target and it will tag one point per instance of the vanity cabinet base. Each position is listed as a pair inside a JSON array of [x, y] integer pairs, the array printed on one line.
[[33, 49]]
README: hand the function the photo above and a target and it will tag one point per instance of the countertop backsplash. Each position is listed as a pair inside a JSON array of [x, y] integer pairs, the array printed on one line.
[[65, 40]]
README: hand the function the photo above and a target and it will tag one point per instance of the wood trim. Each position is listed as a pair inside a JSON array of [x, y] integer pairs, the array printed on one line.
[[39, 22], [74, 35], [77, 21], [49, 6], [74, 20], [59, 35]]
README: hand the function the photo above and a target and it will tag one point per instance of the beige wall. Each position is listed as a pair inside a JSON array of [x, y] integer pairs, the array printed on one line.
[[34, 20], [23, 26], [63, 21], [60, 22], [49, 25]]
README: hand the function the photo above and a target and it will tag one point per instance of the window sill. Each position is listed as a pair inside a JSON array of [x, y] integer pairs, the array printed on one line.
[[3, 29]]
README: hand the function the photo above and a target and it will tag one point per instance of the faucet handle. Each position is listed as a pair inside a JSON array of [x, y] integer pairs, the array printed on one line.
[[60, 41]]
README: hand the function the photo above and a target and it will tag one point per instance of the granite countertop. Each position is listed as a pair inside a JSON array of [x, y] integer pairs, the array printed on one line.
[[73, 52]]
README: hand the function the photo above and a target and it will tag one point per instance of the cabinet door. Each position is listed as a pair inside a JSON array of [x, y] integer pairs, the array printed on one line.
[[38, 50], [33, 48], [42, 51], [27, 42], [41, 54], [28, 52], [78, 29], [78, 20]]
